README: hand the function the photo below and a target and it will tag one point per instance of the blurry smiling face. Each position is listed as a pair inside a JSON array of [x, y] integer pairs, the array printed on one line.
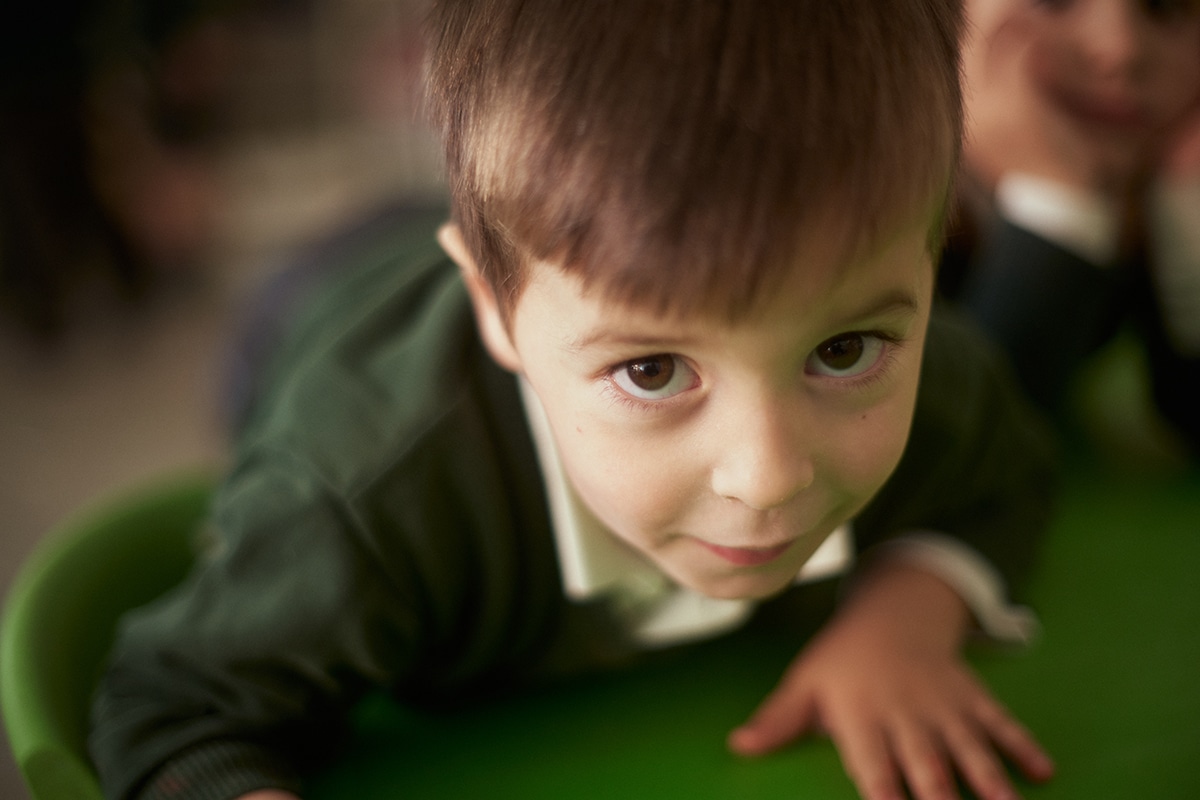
[[1119, 72], [725, 453]]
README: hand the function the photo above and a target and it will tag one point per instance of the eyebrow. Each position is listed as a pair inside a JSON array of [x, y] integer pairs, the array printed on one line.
[[610, 337], [894, 301]]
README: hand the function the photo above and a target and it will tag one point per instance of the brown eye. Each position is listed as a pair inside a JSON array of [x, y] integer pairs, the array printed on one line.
[[847, 355], [656, 377], [651, 374], [842, 353]]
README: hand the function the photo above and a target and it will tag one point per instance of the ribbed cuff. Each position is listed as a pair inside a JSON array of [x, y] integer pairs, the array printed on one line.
[[219, 771]]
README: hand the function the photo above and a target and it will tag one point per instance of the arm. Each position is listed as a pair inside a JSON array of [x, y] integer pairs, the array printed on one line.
[[387, 457], [1168, 317], [1029, 268], [315, 594], [1173, 329], [243, 673], [1018, 289], [885, 677]]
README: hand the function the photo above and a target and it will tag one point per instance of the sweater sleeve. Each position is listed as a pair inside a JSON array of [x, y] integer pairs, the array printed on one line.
[[242, 673], [1046, 306], [1021, 282], [979, 465]]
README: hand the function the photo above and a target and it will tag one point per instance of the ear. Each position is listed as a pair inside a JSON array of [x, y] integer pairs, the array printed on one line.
[[483, 299]]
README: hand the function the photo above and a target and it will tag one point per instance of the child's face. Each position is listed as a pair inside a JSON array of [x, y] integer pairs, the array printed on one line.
[[726, 453], [1118, 71]]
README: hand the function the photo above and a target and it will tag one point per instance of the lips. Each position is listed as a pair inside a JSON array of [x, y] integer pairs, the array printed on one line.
[[747, 556], [1113, 113]]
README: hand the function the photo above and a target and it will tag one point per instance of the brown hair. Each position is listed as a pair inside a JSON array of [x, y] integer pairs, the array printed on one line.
[[673, 152]]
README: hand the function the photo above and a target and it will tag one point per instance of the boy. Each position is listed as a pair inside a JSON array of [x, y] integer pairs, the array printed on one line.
[[697, 236], [1081, 191]]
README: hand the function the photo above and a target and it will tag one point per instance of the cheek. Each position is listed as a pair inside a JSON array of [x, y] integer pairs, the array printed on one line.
[[1177, 87], [631, 482], [876, 450], [870, 445], [1051, 59]]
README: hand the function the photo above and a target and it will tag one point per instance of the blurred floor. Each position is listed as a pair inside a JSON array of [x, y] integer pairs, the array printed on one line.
[[132, 399], [134, 392]]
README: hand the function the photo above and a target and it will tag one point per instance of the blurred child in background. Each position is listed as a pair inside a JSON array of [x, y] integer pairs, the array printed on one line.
[[1080, 199]]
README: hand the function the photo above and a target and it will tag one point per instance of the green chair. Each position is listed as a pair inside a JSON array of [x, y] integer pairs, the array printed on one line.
[[61, 613]]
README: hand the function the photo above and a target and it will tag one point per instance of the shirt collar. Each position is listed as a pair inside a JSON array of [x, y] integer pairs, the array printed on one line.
[[593, 561]]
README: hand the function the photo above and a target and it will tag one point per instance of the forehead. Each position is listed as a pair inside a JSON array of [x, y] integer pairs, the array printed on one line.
[[834, 248], [831, 281]]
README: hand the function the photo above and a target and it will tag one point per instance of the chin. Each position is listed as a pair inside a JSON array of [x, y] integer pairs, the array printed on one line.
[[742, 587]]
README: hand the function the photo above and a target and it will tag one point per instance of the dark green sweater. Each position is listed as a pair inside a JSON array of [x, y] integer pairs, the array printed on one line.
[[385, 525]]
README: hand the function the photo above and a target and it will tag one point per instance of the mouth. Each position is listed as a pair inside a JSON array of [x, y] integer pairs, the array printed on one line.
[[1114, 114], [747, 556]]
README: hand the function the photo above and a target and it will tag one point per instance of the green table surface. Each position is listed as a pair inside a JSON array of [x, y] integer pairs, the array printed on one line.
[[1109, 688]]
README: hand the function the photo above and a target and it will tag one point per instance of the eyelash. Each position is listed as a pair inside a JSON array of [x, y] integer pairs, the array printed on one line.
[[876, 373], [619, 395], [880, 370]]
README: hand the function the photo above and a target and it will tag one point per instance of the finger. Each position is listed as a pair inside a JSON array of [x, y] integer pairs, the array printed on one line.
[[1014, 740], [924, 762], [977, 761], [786, 713], [867, 759]]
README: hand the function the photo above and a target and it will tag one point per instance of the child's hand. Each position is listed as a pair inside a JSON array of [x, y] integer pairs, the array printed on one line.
[[886, 682]]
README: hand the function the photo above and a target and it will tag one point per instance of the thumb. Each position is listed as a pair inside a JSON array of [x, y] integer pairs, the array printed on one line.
[[787, 713]]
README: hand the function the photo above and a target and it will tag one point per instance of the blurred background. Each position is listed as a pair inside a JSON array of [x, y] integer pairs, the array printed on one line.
[[159, 163]]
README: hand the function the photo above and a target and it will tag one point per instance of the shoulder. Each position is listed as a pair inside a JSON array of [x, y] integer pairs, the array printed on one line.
[[970, 400], [961, 367], [388, 433], [382, 352], [384, 403], [979, 459]]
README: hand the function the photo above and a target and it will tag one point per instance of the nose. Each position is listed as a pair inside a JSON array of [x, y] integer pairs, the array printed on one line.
[[764, 457], [1108, 37]]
